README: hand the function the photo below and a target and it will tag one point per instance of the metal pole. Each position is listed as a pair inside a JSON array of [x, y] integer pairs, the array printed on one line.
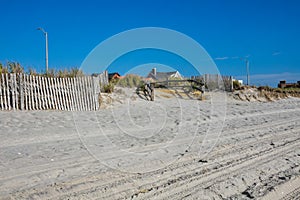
[[46, 35], [46, 46], [248, 76]]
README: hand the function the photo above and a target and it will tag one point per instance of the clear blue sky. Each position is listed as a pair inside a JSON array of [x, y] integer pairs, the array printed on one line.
[[268, 31]]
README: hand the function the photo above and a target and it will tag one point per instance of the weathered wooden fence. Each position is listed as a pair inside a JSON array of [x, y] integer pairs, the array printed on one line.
[[215, 81], [27, 92]]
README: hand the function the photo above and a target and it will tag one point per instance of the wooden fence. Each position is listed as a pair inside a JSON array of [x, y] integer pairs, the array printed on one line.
[[215, 81], [27, 92]]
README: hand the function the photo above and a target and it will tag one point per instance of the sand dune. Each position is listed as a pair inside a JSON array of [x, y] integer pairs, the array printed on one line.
[[171, 148]]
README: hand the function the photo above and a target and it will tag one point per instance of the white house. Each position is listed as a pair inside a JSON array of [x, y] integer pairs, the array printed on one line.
[[162, 76]]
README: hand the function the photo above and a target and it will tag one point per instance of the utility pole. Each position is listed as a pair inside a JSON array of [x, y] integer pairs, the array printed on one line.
[[248, 75], [247, 68], [46, 38]]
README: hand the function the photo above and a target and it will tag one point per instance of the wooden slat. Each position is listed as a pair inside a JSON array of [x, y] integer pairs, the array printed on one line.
[[56, 89], [96, 87], [46, 93], [68, 92], [53, 88], [70, 100], [8, 92], [93, 93], [89, 93], [79, 93], [30, 92], [16, 85], [49, 86], [12, 87], [39, 94], [83, 93], [63, 93], [25, 91], [1, 95], [84, 99], [60, 94], [42, 96], [75, 94], [4, 92], [67, 97], [21, 86], [35, 93]]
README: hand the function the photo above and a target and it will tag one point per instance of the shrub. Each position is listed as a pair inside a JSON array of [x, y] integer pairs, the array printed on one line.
[[3, 69], [15, 67], [130, 80], [236, 85], [109, 88]]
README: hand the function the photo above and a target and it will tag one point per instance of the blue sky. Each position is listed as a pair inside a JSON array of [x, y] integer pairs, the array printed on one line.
[[266, 31]]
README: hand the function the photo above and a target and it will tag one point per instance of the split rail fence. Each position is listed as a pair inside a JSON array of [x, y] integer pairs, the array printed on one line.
[[27, 92]]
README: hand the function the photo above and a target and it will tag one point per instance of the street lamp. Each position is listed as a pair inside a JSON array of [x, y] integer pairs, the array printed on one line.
[[46, 38]]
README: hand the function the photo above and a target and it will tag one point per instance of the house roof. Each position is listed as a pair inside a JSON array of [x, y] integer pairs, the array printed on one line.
[[111, 75], [162, 75]]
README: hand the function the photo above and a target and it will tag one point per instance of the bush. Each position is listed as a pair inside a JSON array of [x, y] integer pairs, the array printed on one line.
[[130, 80], [236, 85], [109, 88], [15, 67], [3, 69]]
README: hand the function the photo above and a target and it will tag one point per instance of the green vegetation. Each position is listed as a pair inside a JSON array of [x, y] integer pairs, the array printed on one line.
[[236, 85], [15, 67], [109, 88], [279, 90], [11, 67], [130, 80]]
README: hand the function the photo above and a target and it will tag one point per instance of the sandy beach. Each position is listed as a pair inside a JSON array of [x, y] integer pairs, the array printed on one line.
[[175, 147]]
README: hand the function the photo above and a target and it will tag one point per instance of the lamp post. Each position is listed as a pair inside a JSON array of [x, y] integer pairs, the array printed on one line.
[[46, 38]]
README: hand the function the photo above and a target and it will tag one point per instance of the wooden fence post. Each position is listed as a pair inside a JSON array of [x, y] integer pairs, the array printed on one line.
[[67, 100], [39, 91], [96, 83], [46, 93], [21, 89], [1, 95], [53, 88], [90, 97], [36, 93], [56, 88], [30, 92], [152, 91], [8, 92], [12, 87], [62, 93], [25, 91], [81, 92], [85, 93], [71, 101], [73, 89], [4, 92], [16, 85], [49, 89]]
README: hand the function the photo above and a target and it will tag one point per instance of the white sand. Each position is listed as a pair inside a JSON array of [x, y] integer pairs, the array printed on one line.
[[167, 149]]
